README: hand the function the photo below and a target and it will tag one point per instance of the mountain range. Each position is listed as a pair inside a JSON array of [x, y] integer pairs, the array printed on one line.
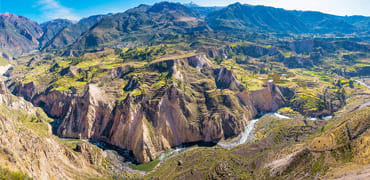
[[146, 23]]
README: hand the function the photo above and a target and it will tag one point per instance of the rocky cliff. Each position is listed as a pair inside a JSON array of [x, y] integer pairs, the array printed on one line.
[[18, 34], [198, 103], [27, 144]]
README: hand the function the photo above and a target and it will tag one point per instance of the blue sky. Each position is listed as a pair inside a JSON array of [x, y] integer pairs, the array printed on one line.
[[43, 10]]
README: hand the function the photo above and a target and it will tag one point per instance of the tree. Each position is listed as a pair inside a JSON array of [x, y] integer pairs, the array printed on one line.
[[117, 51], [351, 85]]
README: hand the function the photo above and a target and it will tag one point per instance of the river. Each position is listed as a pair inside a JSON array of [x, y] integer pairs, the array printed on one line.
[[363, 83], [3, 69], [368, 86], [243, 138]]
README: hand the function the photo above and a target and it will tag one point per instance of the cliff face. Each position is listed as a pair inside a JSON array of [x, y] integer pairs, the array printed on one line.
[[202, 103], [27, 144], [271, 98], [18, 34]]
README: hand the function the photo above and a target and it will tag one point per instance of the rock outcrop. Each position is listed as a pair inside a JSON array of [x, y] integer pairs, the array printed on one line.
[[18, 34], [271, 98], [27, 144]]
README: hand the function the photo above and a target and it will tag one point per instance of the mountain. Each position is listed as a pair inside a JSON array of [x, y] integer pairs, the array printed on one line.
[[144, 23], [201, 10], [255, 18], [72, 32], [18, 34], [262, 18], [52, 28], [322, 23]]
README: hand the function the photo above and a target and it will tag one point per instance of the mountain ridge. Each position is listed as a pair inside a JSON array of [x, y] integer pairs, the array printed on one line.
[[236, 18]]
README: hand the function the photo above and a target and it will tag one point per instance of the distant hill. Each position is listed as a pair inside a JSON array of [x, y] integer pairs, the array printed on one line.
[[255, 18], [72, 32], [201, 10], [52, 28], [262, 18], [142, 24], [18, 34]]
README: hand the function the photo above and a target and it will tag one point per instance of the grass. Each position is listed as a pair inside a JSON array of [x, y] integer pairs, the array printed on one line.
[[3, 62], [65, 83], [145, 166], [6, 174], [37, 123], [319, 165]]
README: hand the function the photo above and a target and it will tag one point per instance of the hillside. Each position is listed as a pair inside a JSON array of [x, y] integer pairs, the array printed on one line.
[[51, 29], [241, 17], [143, 24], [71, 33], [18, 34]]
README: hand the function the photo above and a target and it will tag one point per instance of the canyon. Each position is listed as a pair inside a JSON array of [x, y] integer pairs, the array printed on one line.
[[162, 120]]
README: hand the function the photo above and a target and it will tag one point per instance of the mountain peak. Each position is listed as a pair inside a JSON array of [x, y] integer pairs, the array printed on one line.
[[237, 4], [170, 6], [191, 4], [7, 14], [10, 15], [167, 5]]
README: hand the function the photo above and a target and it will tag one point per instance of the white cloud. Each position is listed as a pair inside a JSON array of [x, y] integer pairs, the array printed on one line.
[[52, 9]]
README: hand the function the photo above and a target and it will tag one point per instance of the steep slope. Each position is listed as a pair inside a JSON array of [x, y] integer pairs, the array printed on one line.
[[201, 11], [52, 28], [72, 32], [238, 17], [257, 18], [18, 34], [340, 152], [28, 146], [138, 25], [319, 22]]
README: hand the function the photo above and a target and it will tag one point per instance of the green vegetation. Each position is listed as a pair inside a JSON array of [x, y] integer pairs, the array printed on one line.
[[319, 165], [145, 166], [37, 123], [3, 62], [5, 174], [143, 54]]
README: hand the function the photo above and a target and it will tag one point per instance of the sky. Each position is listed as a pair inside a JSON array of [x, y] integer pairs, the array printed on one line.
[[44, 10]]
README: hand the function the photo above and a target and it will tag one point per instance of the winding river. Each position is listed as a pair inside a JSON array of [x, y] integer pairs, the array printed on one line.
[[3, 69], [247, 135], [368, 86], [362, 83], [249, 129], [243, 138]]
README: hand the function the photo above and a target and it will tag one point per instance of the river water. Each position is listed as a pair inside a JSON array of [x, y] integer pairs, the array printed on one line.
[[368, 86], [243, 138], [3, 69], [247, 134], [363, 83], [249, 129]]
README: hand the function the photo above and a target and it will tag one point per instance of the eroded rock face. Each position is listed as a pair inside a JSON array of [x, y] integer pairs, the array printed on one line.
[[271, 98], [225, 79], [35, 151], [162, 118]]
